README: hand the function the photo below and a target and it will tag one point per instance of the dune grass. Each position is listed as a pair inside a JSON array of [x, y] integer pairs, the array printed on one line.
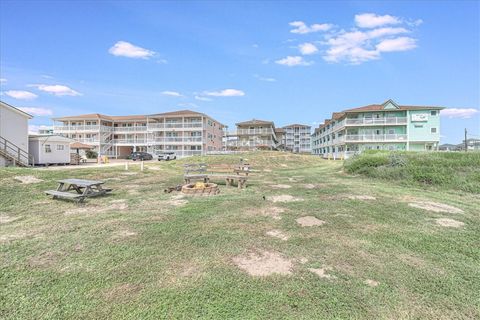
[[143, 254]]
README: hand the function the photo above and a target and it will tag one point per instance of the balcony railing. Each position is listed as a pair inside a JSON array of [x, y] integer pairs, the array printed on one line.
[[375, 121], [266, 131], [185, 125], [130, 129], [374, 137], [149, 127]]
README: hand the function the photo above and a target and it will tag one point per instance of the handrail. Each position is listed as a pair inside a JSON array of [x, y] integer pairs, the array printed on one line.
[[15, 152]]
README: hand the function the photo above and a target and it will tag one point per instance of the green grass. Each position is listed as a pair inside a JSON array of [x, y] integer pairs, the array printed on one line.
[[451, 170], [157, 260]]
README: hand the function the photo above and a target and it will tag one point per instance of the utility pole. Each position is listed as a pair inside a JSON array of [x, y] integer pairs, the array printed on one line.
[[465, 141]]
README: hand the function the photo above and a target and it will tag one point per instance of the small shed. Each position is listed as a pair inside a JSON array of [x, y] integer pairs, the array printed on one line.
[[49, 149], [79, 152]]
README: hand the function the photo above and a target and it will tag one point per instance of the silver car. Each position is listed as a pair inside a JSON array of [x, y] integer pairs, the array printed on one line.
[[167, 156]]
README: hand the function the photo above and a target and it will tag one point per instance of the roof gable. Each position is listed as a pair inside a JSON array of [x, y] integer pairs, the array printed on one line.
[[390, 105], [15, 109]]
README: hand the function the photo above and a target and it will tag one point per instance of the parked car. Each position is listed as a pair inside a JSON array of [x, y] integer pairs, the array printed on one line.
[[167, 156], [140, 156]]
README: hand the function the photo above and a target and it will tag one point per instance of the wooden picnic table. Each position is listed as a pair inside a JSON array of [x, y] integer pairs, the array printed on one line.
[[84, 188]]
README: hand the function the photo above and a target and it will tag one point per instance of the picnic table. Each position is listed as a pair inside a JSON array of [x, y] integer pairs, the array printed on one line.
[[83, 188], [231, 173]]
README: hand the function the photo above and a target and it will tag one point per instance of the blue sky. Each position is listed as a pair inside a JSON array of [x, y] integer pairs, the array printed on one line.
[[282, 61]]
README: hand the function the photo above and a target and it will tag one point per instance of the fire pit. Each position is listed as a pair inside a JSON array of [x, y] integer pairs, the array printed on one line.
[[200, 189]]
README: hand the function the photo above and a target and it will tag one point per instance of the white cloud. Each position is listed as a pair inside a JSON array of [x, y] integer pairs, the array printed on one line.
[[56, 89], [172, 94], [397, 44], [462, 113], [41, 112], [264, 78], [126, 49], [301, 28], [21, 94], [371, 20], [388, 31], [292, 61], [200, 98], [33, 128], [307, 48], [225, 93], [3, 80]]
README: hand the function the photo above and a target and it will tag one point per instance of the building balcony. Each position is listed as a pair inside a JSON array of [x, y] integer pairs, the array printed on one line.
[[265, 131], [130, 129], [372, 138], [375, 122], [167, 126], [58, 129]]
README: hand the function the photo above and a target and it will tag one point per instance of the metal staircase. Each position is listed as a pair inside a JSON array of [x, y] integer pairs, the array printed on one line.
[[14, 154]]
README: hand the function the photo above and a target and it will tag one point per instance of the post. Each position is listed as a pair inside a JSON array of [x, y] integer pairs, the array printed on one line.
[[126, 165], [141, 166], [465, 141]]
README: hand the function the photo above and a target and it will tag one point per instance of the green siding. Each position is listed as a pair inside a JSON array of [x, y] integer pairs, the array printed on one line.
[[421, 130]]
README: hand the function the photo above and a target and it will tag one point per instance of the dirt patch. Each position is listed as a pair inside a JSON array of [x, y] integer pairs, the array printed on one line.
[[284, 198], [272, 212], [361, 197], [281, 186], [278, 234], [371, 283], [155, 168], [13, 236], [27, 179], [44, 260], [123, 234], [264, 263], [303, 260], [322, 272], [177, 200], [309, 221], [267, 170], [445, 222], [7, 219], [284, 165], [129, 173], [118, 204], [435, 207], [310, 186], [123, 292]]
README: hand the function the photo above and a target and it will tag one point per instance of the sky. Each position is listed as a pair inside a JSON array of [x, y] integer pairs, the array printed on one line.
[[290, 62]]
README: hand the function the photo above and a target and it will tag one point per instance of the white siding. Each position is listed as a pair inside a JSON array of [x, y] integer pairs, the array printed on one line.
[[14, 127]]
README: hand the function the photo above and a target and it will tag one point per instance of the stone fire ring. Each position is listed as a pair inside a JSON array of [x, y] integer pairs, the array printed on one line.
[[209, 190]]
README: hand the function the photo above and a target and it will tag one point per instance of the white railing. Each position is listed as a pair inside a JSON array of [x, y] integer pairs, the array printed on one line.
[[252, 131], [184, 125], [375, 137], [130, 129], [375, 121]]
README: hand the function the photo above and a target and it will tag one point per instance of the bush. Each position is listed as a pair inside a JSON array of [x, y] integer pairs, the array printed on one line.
[[91, 154], [443, 169]]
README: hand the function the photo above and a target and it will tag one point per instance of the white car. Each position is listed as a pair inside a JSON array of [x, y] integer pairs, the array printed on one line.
[[167, 156]]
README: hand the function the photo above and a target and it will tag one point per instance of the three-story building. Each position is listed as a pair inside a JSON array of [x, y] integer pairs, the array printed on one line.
[[253, 135], [386, 126], [184, 132], [297, 138]]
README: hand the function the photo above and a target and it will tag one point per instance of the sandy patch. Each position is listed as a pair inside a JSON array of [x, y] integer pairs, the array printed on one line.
[[371, 283], [123, 292], [284, 198], [8, 219], [11, 237], [129, 173], [272, 212], [361, 197], [292, 180], [177, 200], [303, 260], [118, 204], [264, 263], [309, 221], [322, 272], [278, 234], [45, 259], [445, 222], [267, 170], [284, 165], [435, 207], [27, 179], [154, 168], [309, 186], [281, 186]]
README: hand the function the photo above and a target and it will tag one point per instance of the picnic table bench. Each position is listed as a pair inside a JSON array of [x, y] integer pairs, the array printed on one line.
[[84, 188], [231, 173]]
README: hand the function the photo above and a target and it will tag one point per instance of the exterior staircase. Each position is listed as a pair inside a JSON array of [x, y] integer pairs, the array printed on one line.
[[14, 154]]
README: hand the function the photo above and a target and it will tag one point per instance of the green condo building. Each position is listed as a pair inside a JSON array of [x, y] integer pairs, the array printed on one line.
[[386, 126]]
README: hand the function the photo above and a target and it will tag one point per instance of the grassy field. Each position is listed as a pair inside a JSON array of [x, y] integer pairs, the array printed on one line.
[[377, 249]]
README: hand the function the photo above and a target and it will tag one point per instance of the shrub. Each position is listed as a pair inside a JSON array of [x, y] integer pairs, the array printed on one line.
[[91, 154]]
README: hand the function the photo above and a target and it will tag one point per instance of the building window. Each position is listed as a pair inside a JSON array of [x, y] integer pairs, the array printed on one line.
[[433, 113], [48, 149], [60, 147], [433, 130]]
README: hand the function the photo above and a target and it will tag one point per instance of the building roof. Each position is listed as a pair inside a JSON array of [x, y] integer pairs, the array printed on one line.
[[79, 145], [279, 130], [48, 137], [15, 109], [377, 107], [99, 116], [296, 125], [254, 121]]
